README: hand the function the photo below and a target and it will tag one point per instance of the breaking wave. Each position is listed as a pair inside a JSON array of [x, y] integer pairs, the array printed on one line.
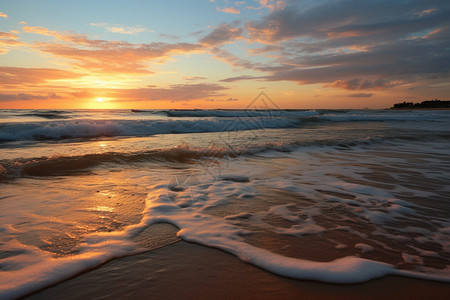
[[62, 165], [73, 165], [48, 114], [108, 128], [193, 121]]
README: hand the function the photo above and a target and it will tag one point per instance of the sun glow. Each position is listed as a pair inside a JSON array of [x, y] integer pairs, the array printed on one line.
[[100, 103]]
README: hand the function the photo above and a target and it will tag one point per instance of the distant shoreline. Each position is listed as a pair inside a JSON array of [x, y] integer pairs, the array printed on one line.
[[424, 105], [420, 108]]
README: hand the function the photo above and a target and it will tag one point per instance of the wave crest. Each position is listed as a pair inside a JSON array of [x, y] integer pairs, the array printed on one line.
[[107, 128], [73, 165]]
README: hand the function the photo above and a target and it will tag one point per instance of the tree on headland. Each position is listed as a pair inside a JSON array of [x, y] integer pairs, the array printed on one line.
[[424, 104], [404, 104]]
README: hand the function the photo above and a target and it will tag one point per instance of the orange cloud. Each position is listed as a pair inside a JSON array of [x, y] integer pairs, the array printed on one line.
[[426, 12], [264, 34], [229, 10], [21, 77], [272, 4], [83, 94], [345, 34], [7, 35], [3, 15], [107, 56], [8, 40], [265, 49], [67, 37]]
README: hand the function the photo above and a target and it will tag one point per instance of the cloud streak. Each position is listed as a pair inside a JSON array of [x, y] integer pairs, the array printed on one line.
[[360, 95], [27, 97], [117, 28], [173, 93], [357, 84]]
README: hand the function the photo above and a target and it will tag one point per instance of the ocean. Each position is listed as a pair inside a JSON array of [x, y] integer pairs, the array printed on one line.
[[339, 196]]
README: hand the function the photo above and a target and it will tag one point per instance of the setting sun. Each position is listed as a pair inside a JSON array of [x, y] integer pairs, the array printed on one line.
[[100, 103]]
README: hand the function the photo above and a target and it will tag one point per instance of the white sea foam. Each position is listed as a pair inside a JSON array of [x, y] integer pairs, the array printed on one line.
[[364, 247], [23, 270], [31, 268], [223, 234], [284, 212], [219, 233]]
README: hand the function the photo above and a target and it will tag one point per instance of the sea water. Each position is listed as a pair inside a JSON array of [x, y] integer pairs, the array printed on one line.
[[339, 196]]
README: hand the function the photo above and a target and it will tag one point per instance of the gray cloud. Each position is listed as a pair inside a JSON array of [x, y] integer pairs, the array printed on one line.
[[371, 17], [194, 78], [352, 44], [360, 95], [169, 36], [24, 96], [378, 66], [239, 78], [357, 84], [222, 34], [234, 60]]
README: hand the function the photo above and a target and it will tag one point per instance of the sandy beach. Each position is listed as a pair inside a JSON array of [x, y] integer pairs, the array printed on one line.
[[188, 271], [341, 206]]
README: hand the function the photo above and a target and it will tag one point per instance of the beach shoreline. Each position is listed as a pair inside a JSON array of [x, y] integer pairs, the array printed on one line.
[[342, 197], [186, 270]]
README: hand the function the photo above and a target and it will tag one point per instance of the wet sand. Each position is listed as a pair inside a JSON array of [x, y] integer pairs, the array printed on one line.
[[189, 271]]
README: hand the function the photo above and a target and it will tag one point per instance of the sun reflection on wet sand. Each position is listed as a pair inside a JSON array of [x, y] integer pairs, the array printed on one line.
[[74, 207]]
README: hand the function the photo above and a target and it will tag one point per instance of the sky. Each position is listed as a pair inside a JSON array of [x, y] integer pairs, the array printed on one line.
[[204, 54]]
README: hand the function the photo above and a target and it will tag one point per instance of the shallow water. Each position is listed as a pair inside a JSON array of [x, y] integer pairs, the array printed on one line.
[[334, 196]]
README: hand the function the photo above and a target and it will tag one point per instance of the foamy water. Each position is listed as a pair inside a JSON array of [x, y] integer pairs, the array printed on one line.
[[334, 196]]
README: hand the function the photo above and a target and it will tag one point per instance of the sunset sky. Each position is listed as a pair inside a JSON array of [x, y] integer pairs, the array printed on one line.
[[221, 54]]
